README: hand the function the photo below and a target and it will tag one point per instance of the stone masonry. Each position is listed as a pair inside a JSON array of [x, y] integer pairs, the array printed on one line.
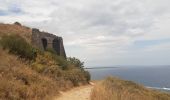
[[44, 40]]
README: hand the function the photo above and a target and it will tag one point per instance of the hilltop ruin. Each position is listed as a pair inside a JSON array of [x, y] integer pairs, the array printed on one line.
[[44, 41]]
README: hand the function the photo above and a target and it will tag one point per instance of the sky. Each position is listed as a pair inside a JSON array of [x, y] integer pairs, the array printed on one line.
[[100, 32]]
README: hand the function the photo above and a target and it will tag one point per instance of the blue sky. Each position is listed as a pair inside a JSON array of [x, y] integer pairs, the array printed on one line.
[[100, 32], [11, 9]]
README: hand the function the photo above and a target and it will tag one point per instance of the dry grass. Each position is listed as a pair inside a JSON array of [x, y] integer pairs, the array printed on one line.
[[34, 80], [117, 89], [47, 65], [8, 29], [19, 82]]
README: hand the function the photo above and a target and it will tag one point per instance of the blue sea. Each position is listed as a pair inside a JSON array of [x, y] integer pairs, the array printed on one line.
[[156, 77]]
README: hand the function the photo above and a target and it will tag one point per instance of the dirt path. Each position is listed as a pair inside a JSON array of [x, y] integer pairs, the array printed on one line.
[[79, 93]]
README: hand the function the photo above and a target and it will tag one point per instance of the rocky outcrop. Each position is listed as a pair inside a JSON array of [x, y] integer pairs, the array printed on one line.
[[44, 41]]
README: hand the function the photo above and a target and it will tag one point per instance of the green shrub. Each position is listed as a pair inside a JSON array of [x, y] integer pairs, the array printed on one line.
[[87, 75], [17, 45], [52, 51], [76, 62], [62, 62], [57, 67], [76, 76]]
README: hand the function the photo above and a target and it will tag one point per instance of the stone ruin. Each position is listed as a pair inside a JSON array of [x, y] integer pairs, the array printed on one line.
[[44, 41]]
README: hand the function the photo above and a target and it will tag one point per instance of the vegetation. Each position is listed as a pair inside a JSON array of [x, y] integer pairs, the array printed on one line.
[[117, 89], [11, 29], [17, 45], [75, 61], [19, 82], [40, 79], [58, 67]]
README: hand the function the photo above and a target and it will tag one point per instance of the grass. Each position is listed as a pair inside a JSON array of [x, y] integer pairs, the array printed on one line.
[[52, 65], [19, 46], [39, 79], [10, 29], [117, 89], [19, 82]]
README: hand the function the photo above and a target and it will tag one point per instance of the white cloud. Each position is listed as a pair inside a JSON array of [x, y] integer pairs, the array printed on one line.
[[97, 30]]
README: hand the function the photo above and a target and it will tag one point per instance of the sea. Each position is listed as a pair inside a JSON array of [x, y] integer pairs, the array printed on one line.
[[156, 77]]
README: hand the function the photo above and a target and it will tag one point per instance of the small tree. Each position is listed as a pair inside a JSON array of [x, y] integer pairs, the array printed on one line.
[[76, 62]]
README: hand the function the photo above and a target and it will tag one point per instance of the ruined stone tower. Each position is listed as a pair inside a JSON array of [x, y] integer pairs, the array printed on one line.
[[44, 40]]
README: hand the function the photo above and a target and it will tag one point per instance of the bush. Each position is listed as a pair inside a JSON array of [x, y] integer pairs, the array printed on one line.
[[18, 45], [76, 76], [52, 51], [87, 75], [57, 67], [62, 62], [76, 62]]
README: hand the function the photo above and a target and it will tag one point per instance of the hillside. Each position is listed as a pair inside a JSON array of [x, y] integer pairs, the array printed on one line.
[[117, 89], [23, 31], [27, 73], [18, 81]]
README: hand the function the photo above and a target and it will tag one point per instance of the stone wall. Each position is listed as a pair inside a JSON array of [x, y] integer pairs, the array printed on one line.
[[44, 40]]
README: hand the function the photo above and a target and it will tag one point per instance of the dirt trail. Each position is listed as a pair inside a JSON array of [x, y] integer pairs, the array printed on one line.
[[79, 93]]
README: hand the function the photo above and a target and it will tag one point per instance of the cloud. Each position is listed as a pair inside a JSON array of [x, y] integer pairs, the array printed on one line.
[[96, 30], [12, 9]]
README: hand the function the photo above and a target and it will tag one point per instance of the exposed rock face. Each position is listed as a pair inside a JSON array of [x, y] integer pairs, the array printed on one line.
[[44, 40]]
